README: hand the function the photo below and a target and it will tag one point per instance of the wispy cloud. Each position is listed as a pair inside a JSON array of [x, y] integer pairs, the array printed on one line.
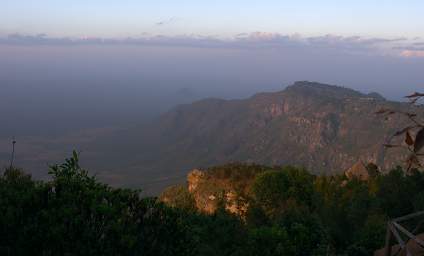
[[410, 48], [414, 50], [257, 40], [409, 53]]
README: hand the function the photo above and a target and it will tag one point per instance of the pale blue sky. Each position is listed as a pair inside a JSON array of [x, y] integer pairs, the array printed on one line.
[[121, 18]]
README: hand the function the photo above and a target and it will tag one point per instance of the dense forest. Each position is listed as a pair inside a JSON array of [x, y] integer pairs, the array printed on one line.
[[291, 212]]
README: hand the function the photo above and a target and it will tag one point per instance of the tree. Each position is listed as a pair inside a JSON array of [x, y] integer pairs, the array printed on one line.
[[178, 196], [74, 214], [413, 133], [274, 190]]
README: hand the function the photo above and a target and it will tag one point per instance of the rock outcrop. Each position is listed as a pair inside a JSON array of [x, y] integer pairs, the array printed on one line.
[[210, 192], [359, 171]]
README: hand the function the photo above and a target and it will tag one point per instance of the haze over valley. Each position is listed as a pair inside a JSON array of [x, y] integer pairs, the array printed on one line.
[[325, 128], [59, 94]]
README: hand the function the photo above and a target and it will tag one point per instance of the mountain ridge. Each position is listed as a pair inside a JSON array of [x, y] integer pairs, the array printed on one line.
[[322, 127]]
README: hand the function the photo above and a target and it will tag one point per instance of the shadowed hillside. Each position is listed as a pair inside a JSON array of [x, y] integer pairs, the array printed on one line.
[[324, 128]]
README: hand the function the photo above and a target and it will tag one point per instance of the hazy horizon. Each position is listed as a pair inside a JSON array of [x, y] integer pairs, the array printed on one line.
[[92, 67], [104, 84], [102, 62]]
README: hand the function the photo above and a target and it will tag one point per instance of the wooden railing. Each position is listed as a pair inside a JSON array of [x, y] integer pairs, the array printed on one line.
[[402, 235]]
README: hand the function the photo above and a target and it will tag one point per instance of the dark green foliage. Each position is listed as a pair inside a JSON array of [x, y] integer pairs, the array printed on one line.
[[20, 199], [179, 197], [278, 190], [239, 175], [281, 217], [371, 235], [218, 234], [268, 240], [291, 212], [396, 191], [296, 232], [350, 214], [75, 215], [237, 172]]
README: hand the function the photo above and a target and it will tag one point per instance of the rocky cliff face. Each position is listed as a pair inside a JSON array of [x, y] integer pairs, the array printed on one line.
[[359, 171], [231, 187], [210, 192], [324, 128]]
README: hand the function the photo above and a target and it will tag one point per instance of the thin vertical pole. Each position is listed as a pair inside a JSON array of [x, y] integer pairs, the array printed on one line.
[[12, 157]]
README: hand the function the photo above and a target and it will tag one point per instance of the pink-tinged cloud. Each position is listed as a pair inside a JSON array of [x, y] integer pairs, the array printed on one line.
[[322, 45], [412, 54]]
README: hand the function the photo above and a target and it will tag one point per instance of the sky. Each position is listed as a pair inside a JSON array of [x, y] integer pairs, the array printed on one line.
[[107, 61], [113, 18]]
